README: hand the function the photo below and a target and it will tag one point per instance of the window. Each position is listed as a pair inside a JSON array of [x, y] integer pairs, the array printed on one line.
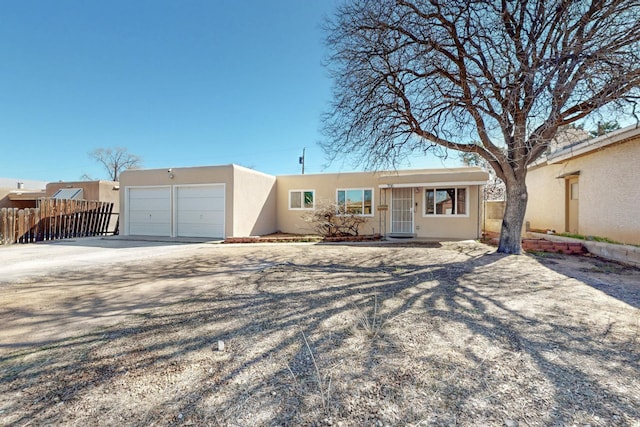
[[68, 194], [445, 201], [574, 191], [358, 202], [301, 199]]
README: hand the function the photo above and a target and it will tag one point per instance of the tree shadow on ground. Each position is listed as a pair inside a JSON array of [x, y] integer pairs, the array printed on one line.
[[318, 335], [615, 279]]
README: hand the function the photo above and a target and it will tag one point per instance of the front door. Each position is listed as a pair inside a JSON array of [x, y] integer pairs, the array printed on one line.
[[572, 205], [402, 210]]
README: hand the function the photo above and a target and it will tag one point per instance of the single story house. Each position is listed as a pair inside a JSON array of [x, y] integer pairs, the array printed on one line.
[[103, 191], [20, 194], [233, 201], [99, 190], [591, 188]]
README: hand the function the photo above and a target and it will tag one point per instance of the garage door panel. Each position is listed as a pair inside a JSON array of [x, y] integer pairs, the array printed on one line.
[[151, 217], [201, 217], [201, 230], [149, 211], [201, 203], [200, 211], [201, 192], [148, 229], [148, 204]]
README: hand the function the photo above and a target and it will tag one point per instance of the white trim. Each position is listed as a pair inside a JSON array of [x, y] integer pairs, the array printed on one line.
[[435, 215], [302, 208], [363, 189], [433, 184], [589, 145], [413, 216]]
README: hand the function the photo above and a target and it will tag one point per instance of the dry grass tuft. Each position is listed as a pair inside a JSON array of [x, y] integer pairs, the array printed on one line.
[[448, 334], [370, 323]]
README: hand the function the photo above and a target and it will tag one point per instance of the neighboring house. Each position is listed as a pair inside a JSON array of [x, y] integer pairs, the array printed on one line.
[[101, 191], [590, 188], [20, 194], [233, 201]]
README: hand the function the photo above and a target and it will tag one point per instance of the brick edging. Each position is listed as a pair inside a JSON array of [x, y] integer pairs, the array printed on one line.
[[543, 245]]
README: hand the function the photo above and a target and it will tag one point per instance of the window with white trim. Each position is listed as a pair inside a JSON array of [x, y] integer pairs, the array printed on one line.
[[446, 201], [301, 199], [358, 201]]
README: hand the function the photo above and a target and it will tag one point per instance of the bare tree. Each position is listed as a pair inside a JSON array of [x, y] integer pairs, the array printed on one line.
[[603, 128], [116, 160], [495, 188], [413, 75]]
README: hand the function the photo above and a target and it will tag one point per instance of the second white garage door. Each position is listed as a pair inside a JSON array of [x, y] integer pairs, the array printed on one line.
[[200, 210]]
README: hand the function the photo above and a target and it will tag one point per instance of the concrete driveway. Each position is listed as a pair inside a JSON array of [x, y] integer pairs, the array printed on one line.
[[55, 290], [46, 258]]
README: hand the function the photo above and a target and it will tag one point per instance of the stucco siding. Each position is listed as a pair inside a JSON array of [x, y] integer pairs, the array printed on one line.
[[449, 227], [104, 191], [324, 187], [546, 203], [254, 202], [609, 193]]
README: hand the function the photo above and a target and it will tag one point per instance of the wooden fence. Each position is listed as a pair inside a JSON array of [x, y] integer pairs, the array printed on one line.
[[55, 219]]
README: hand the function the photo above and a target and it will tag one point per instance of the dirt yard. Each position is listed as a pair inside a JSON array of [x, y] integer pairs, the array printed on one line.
[[103, 333]]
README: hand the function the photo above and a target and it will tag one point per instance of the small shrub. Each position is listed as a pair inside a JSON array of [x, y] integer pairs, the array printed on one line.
[[331, 220]]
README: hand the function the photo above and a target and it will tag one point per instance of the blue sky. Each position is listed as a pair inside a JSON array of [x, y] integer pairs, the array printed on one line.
[[180, 83]]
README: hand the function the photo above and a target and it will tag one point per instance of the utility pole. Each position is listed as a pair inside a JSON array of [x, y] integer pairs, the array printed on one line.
[[301, 160]]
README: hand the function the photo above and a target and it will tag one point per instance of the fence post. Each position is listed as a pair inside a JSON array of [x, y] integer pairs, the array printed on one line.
[[4, 225], [55, 219], [36, 224], [20, 226], [12, 226]]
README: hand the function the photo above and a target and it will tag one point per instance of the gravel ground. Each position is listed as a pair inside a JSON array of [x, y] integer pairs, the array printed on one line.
[[104, 333]]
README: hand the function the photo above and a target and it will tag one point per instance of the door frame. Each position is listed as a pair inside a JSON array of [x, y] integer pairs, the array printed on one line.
[[572, 205]]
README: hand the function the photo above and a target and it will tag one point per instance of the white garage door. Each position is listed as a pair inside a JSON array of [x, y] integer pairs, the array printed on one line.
[[200, 211], [149, 211]]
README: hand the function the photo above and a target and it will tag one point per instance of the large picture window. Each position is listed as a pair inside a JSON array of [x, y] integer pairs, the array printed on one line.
[[445, 201], [356, 201], [301, 199]]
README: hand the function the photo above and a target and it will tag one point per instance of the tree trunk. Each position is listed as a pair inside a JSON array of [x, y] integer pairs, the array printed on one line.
[[511, 232]]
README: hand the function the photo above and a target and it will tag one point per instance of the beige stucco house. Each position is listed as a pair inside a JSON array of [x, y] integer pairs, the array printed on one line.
[[20, 194], [233, 201], [102, 191], [590, 188]]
